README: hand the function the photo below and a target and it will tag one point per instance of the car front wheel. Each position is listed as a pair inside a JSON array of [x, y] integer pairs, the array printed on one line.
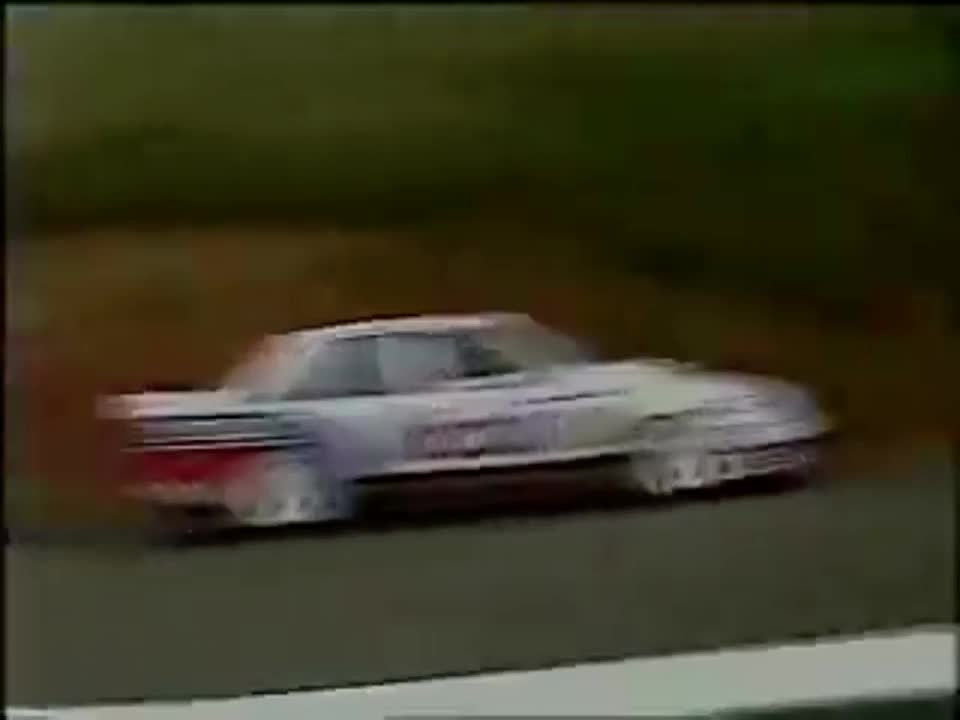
[[652, 474]]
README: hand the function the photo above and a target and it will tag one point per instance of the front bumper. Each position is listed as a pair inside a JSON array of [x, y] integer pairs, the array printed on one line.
[[704, 467], [736, 464]]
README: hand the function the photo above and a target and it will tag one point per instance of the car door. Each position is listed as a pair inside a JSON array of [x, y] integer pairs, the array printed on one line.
[[457, 412], [337, 397], [561, 414]]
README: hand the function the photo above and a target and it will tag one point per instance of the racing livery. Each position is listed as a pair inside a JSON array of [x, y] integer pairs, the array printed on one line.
[[312, 420]]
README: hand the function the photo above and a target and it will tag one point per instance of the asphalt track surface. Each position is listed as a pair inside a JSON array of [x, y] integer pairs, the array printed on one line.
[[519, 591]]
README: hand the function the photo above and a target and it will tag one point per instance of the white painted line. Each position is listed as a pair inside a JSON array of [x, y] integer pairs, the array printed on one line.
[[28, 714], [890, 666]]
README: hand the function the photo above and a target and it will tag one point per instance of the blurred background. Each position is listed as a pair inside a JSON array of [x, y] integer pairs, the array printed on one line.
[[763, 188]]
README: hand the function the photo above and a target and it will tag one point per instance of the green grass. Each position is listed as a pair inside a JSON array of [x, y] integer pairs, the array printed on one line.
[[794, 153]]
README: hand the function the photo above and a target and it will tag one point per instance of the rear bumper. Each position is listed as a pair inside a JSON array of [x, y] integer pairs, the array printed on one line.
[[176, 493], [193, 477]]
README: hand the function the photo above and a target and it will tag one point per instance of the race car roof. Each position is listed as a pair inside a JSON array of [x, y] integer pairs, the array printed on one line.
[[416, 323]]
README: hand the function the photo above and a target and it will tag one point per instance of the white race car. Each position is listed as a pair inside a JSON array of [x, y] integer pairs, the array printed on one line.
[[312, 423]]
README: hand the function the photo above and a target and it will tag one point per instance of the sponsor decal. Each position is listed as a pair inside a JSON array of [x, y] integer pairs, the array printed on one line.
[[466, 438]]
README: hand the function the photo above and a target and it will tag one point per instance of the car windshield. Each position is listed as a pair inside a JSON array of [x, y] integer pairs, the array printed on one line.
[[533, 347]]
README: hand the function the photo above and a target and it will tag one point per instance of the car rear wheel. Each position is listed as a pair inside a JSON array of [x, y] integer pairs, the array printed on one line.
[[276, 489]]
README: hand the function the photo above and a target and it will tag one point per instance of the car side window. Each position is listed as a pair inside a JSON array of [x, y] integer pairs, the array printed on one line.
[[345, 367], [481, 360], [414, 361]]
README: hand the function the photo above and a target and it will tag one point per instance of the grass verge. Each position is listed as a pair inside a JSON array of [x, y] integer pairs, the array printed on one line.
[[796, 153]]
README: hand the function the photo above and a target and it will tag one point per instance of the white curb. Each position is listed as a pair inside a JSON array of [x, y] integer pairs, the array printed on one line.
[[836, 670]]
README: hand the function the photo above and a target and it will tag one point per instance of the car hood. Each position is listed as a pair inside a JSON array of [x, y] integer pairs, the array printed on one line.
[[666, 387]]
